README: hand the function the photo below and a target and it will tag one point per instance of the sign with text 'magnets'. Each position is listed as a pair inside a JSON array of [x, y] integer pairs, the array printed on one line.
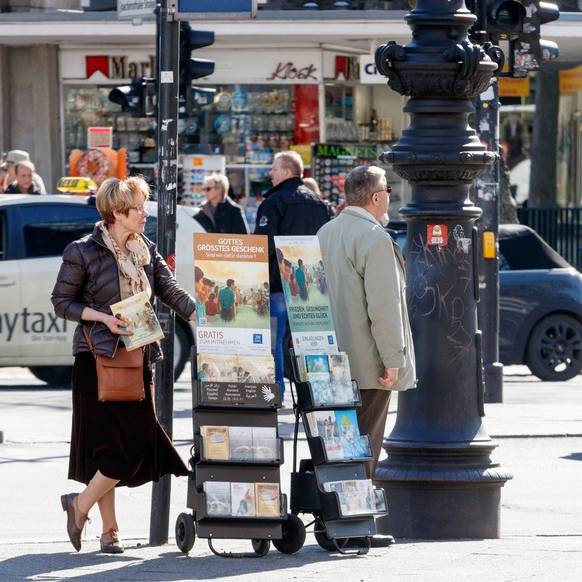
[[217, 9]]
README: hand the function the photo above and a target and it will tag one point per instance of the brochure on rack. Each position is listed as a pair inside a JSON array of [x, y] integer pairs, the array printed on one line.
[[231, 275], [305, 288]]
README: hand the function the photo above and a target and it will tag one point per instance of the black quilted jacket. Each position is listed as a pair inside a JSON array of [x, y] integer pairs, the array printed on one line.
[[89, 277]]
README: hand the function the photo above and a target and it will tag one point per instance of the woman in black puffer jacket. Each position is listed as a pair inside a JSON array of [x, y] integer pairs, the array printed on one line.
[[113, 443]]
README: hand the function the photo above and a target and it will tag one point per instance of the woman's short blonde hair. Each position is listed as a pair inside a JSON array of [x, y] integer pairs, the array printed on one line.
[[116, 195], [218, 181]]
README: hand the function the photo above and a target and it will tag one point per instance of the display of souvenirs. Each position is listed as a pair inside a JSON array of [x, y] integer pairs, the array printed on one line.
[[244, 443], [142, 321], [355, 496], [240, 369], [332, 162], [247, 123]]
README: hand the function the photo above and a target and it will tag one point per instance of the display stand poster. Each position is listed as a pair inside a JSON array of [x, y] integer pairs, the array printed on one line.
[[306, 296], [231, 274]]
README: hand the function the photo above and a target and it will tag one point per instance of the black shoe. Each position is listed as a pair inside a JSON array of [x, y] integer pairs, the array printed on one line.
[[380, 541]]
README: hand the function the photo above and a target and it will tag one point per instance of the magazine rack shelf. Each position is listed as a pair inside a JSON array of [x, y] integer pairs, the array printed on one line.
[[239, 414], [337, 526]]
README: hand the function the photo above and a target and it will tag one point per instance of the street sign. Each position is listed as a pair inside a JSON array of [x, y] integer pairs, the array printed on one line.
[[132, 9], [216, 9]]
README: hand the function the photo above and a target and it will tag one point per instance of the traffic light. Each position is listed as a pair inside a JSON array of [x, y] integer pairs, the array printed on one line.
[[137, 98], [191, 68], [519, 22]]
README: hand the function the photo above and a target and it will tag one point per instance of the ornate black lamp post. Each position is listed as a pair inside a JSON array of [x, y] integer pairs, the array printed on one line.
[[440, 479]]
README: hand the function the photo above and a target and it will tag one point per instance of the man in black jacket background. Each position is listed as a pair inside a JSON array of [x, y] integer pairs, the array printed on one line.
[[219, 214], [289, 209]]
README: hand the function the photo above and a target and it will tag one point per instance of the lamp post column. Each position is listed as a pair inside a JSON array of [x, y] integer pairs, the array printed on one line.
[[439, 476]]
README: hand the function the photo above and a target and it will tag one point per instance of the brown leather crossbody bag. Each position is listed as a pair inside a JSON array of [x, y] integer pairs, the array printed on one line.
[[120, 378]]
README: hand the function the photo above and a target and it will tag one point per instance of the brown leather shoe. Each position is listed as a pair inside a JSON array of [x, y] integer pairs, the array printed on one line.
[[110, 542], [68, 503]]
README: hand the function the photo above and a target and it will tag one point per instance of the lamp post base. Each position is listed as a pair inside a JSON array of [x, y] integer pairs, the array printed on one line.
[[439, 500]]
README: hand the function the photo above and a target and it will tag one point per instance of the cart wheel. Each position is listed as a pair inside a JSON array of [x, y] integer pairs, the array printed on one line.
[[261, 547], [321, 537], [185, 532], [293, 535]]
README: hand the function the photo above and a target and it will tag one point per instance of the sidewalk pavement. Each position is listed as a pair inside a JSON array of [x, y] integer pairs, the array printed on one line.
[[538, 429]]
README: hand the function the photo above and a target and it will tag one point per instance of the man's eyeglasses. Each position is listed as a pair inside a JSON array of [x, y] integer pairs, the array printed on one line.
[[207, 188], [141, 209]]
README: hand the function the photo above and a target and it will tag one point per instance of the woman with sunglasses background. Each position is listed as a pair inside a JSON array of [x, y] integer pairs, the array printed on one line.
[[219, 213]]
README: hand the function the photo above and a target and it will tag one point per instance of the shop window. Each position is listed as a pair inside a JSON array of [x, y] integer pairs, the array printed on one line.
[[246, 123], [49, 228]]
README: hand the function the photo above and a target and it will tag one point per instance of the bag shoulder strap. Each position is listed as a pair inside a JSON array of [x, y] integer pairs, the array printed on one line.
[[88, 339]]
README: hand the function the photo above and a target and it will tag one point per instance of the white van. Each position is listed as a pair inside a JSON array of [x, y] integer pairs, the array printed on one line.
[[34, 231]]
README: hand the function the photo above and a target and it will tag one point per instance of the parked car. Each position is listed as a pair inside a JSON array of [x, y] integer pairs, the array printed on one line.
[[540, 304], [34, 231]]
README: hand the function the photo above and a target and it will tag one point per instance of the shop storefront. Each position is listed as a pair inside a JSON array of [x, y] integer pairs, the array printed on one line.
[[257, 103]]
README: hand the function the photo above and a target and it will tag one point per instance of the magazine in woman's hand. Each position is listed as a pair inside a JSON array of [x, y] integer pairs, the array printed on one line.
[[143, 322]]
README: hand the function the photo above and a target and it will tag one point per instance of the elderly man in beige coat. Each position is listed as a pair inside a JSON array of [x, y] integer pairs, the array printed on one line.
[[366, 280]]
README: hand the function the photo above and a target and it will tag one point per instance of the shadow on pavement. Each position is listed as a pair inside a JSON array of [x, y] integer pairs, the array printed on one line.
[[167, 566], [573, 457]]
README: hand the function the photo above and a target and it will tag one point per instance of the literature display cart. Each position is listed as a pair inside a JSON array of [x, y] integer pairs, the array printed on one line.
[[234, 484], [333, 485]]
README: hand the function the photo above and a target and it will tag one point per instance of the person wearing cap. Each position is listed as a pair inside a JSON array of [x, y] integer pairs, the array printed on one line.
[[13, 157]]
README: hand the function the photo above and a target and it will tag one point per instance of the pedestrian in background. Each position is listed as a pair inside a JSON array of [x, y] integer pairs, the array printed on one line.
[[219, 213], [366, 281], [24, 182], [314, 187], [14, 157], [289, 209], [113, 444]]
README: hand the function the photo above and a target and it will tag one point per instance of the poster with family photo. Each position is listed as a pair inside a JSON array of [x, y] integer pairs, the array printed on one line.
[[306, 294], [231, 288], [259, 369]]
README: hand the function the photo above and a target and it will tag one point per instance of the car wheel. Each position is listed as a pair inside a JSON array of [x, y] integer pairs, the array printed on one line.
[[554, 350], [54, 376], [181, 349]]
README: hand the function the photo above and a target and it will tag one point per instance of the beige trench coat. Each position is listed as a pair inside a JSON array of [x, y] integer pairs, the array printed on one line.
[[366, 282]]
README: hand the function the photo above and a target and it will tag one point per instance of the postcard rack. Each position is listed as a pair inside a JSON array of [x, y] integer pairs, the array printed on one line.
[[233, 466], [336, 528]]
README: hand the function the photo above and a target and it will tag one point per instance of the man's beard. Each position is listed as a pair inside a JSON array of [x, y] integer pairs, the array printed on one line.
[[384, 220]]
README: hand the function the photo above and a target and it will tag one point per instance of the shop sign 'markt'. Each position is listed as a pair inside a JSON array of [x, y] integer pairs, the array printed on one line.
[[119, 67]]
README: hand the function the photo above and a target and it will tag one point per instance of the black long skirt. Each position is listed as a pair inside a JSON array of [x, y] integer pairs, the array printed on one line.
[[122, 440]]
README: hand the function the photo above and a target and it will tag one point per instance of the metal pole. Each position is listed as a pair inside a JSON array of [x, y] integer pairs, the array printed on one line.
[[439, 476], [485, 193], [167, 140]]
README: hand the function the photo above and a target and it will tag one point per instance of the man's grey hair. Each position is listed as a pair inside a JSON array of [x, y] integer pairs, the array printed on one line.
[[362, 182]]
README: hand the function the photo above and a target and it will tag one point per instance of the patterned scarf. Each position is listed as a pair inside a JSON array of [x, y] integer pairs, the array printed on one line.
[[131, 267]]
